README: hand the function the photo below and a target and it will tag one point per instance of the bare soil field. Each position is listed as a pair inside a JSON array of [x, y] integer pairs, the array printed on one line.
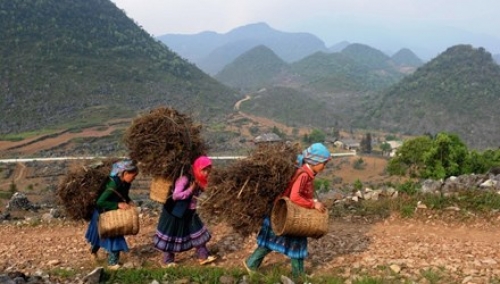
[[416, 249]]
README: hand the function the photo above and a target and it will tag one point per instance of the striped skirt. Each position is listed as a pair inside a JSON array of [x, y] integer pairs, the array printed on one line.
[[113, 244], [293, 247], [175, 234]]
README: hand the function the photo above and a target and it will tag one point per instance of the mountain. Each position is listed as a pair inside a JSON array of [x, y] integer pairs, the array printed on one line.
[[406, 58], [73, 62], [339, 46], [259, 67], [358, 68], [212, 51], [458, 92], [291, 107], [496, 57]]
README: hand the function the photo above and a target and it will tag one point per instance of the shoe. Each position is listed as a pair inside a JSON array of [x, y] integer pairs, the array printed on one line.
[[93, 256], [250, 271], [114, 267], [169, 264], [207, 260]]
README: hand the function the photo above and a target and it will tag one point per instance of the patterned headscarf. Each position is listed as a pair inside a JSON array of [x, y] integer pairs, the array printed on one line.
[[122, 166], [199, 164], [316, 153]]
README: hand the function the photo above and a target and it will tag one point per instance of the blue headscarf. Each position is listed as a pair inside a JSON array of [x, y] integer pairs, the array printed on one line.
[[122, 166], [316, 153]]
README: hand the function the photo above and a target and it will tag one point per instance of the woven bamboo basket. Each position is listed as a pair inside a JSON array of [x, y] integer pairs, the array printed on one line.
[[288, 218], [160, 189], [119, 223]]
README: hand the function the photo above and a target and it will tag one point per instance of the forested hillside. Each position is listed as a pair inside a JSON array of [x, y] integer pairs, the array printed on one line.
[[255, 69], [82, 60], [457, 92]]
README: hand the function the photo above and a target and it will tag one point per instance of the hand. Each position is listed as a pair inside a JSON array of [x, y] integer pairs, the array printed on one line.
[[123, 205], [319, 206], [192, 186]]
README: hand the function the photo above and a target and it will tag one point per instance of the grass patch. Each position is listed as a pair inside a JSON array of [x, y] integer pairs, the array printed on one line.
[[206, 275], [6, 194], [432, 275], [63, 273]]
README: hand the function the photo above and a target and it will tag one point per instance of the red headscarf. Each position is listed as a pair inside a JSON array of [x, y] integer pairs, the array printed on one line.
[[199, 164]]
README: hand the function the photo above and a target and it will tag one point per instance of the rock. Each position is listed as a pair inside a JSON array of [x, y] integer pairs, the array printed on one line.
[[421, 205], [93, 277], [226, 279], [286, 280], [53, 262], [4, 279], [56, 213], [395, 268], [488, 184], [467, 279], [19, 201]]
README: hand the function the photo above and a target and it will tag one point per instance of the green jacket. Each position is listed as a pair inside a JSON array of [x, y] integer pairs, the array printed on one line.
[[108, 200]]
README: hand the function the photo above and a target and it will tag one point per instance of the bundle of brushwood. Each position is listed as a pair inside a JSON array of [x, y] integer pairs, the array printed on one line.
[[164, 142], [243, 193], [81, 186]]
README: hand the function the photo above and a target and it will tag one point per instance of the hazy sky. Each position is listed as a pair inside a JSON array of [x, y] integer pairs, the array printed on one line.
[[331, 20]]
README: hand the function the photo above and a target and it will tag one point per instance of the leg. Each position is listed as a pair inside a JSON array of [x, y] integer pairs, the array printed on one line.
[[168, 257], [203, 255], [113, 257], [256, 258], [94, 249], [202, 251], [297, 267]]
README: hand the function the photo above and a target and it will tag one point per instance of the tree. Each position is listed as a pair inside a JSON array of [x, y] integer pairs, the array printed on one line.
[[366, 143], [410, 157], [315, 136], [440, 157], [385, 147]]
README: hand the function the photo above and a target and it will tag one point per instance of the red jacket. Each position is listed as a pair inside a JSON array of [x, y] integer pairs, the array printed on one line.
[[301, 189]]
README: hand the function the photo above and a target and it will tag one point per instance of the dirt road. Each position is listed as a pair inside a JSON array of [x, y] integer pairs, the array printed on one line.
[[407, 248]]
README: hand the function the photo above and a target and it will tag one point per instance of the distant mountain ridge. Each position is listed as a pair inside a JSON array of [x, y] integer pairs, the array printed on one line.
[[212, 51], [358, 68]]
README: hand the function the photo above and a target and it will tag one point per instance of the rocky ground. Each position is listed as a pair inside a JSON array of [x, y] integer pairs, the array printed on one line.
[[424, 249]]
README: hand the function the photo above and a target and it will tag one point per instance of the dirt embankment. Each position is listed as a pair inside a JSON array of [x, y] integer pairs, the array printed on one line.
[[408, 248]]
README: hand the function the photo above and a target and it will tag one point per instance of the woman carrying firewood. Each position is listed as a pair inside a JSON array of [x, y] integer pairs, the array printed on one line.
[[180, 228], [114, 197], [300, 190]]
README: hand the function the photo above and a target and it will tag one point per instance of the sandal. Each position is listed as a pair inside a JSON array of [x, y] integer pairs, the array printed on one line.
[[250, 271], [207, 260], [169, 264]]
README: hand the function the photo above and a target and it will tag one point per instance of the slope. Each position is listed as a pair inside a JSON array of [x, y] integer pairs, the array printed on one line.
[[457, 92], [76, 61], [254, 69]]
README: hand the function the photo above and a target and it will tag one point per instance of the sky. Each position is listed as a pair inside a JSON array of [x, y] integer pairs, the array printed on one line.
[[333, 21]]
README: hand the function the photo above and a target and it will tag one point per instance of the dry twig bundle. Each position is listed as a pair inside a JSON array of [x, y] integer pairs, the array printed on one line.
[[243, 193], [82, 185], [164, 141]]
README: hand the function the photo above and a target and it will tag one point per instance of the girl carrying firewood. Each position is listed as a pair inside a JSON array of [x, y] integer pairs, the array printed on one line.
[[180, 228], [114, 197], [300, 190]]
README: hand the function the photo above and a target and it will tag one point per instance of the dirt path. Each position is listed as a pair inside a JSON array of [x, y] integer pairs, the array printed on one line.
[[262, 120], [414, 249]]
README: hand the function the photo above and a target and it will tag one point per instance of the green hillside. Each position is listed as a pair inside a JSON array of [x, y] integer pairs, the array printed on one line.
[[406, 57], [350, 72], [458, 92], [254, 69], [291, 107], [82, 61]]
